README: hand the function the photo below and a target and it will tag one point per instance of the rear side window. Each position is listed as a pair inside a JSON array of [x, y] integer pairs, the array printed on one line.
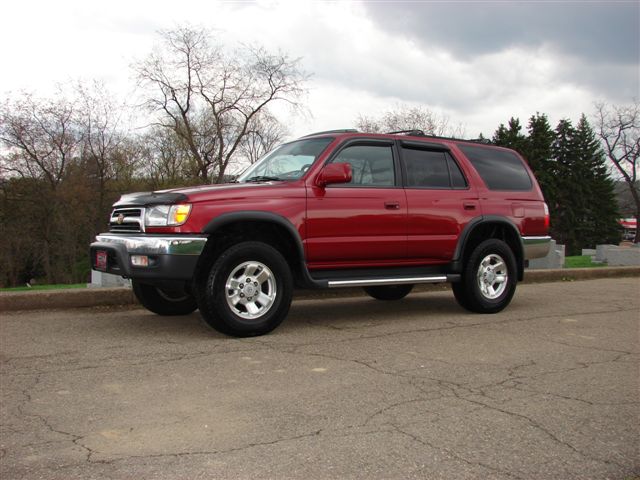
[[500, 169], [431, 169]]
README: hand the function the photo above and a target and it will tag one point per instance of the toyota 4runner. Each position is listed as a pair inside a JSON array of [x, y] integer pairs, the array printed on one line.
[[333, 209]]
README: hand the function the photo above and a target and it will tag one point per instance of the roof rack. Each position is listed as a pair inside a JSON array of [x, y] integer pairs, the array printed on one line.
[[415, 133], [346, 130], [420, 133]]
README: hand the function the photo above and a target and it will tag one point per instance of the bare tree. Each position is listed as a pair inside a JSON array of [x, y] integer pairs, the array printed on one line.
[[167, 163], [100, 119], [404, 117], [42, 142], [210, 98], [265, 132], [618, 127], [41, 136]]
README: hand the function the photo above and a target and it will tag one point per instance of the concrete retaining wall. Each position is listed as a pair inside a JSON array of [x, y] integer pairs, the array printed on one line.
[[95, 297]]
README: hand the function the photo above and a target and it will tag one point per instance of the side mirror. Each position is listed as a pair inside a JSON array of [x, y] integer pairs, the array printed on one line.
[[334, 173]]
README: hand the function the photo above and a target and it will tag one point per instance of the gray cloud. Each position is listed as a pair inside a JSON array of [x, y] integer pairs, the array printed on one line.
[[603, 31], [593, 45]]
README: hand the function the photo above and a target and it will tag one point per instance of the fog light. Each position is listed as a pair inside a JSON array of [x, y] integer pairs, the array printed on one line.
[[139, 260]]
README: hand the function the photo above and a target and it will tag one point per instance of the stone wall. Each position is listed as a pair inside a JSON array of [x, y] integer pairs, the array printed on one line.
[[101, 279], [554, 259], [616, 256]]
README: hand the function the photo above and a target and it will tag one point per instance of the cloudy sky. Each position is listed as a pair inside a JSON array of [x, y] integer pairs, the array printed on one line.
[[476, 62]]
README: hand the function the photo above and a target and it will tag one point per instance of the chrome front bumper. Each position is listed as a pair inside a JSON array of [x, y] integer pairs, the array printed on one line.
[[156, 245], [169, 257]]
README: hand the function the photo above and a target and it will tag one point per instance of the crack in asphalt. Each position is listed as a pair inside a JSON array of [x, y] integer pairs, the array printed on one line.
[[125, 458], [75, 439], [544, 430], [477, 397], [454, 389], [477, 391], [451, 453]]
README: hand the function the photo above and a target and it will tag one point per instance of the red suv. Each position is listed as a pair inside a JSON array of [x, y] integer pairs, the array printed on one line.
[[332, 209]]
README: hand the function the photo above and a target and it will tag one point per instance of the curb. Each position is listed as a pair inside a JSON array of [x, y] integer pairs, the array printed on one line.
[[99, 297]]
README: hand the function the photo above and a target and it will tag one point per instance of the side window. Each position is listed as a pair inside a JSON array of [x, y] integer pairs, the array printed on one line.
[[500, 169], [431, 169], [371, 164], [457, 178]]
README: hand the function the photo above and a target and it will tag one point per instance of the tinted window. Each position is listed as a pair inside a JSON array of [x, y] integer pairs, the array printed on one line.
[[500, 169], [431, 169], [370, 164], [457, 178]]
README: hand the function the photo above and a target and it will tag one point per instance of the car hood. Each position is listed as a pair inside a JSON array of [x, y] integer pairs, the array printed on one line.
[[187, 194]]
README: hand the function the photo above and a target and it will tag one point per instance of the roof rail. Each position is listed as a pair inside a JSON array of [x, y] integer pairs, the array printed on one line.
[[486, 141], [420, 133], [345, 130], [415, 132]]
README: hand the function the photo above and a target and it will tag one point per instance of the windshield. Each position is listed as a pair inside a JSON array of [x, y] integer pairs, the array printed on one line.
[[287, 162]]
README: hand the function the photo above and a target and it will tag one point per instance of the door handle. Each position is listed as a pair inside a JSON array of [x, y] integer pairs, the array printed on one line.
[[469, 205], [392, 205]]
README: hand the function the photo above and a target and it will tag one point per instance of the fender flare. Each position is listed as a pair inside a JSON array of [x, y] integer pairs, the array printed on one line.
[[269, 217], [477, 222]]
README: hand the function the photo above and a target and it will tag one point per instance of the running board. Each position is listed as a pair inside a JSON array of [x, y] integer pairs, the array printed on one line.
[[369, 282]]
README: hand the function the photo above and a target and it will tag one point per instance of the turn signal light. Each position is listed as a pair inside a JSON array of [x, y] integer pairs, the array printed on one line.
[[179, 214]]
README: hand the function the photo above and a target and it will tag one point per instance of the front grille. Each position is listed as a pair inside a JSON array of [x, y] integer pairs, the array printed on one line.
[[127, 219]]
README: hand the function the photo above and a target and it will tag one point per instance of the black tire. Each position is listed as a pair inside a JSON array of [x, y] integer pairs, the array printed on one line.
[[262, 304], [485, 292], [388, 292], [164, 301]]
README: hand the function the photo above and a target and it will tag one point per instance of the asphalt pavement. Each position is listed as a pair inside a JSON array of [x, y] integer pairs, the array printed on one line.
[[345, 388]]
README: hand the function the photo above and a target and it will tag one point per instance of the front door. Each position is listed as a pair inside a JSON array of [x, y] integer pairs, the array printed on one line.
[[362, 223]]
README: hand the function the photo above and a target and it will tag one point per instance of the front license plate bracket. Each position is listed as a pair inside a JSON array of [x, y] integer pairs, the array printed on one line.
[[101, 260]]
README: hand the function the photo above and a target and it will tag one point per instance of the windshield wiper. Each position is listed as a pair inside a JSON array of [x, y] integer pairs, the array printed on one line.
[[261, 178]]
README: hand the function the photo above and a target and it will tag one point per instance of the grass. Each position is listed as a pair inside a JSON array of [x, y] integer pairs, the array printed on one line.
[[581, 261], [44, 287]]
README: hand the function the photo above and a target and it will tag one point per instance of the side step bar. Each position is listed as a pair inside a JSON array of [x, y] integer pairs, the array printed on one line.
[[369, 282]]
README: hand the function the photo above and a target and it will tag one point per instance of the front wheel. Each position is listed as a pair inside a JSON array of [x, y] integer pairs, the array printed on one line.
[[247, 291], [388, 292], [164, 301], [489, 278]]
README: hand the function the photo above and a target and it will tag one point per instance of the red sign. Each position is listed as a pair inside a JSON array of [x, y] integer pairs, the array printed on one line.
[[101, 260]]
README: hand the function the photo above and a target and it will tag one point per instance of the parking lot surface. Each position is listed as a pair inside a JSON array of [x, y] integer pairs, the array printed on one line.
[[345, 388]]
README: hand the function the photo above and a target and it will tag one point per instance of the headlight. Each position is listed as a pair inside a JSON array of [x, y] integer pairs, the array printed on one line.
[[167, 215]]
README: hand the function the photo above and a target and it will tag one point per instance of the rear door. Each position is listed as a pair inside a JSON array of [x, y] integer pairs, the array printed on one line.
[[508, 188], [440, 201]]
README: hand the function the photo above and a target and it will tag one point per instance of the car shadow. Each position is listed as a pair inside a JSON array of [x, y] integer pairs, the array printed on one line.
[[330, 312]]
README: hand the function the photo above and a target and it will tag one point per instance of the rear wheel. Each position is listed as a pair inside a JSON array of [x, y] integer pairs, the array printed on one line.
[[164, 301], [388, 292], [247, 290], [489, 278]]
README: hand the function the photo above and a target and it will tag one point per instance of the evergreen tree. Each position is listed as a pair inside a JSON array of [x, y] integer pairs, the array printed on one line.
[[570, 168], [541, 160], [599, 217], [511, 137], [569, 200]]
